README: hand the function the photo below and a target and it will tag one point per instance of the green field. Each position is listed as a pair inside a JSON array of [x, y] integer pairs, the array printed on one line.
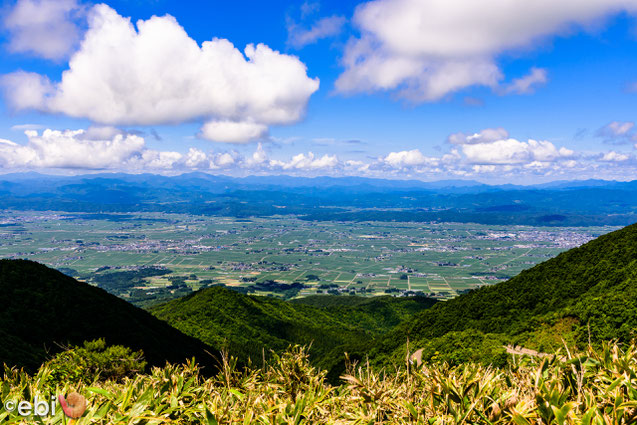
[[440, 259]]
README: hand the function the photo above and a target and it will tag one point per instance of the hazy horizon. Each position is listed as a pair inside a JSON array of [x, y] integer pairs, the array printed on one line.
[[80, 173]]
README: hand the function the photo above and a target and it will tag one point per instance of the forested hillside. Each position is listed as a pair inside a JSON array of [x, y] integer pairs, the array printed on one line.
[[374, 314], [44, 310], [586, 292], [252, 326]]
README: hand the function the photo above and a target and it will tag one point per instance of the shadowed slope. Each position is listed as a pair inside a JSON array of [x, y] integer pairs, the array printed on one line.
[[43, 308]]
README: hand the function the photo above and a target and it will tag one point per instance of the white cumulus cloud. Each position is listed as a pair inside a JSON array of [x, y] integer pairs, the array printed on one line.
[[102, 148], [307, 161], [484, 136], [409, 158], [26, 90], [258, 158], [68, 149], [154, 73], [512, 151], [423, 50], [613, 156], [45, 28], [478, 155], [233, 132]]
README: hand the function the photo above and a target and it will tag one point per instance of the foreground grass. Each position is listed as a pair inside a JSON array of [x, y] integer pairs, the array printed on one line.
[[595, 387]]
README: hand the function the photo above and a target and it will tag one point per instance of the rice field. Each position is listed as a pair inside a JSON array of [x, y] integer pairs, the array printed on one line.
[[442, 259]]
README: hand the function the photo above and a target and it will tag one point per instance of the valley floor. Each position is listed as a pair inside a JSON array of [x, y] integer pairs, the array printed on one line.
[[169, 255]]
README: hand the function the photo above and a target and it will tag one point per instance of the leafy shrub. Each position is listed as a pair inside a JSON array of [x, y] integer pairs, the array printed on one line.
[[456, 348], [94, 360]]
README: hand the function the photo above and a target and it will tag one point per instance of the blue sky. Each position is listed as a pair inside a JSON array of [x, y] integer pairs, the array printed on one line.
[[496, 91]]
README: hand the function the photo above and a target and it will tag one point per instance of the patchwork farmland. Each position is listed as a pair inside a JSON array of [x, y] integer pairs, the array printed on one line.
[[186, 252]]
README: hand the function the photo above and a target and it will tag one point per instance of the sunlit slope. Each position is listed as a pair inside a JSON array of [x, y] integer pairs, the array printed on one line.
[[42, 310], [377, 314], [252, 326], [586, 292]]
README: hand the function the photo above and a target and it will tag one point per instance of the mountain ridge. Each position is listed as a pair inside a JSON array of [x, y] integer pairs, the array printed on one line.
[[45, 310], [588, 203], [584, 294], [286, 180]]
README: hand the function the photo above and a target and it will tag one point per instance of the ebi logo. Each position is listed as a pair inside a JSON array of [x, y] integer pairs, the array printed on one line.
[[74, 405]]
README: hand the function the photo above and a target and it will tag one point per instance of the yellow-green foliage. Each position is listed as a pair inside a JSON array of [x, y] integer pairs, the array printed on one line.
[[596, 387], [93, 360]]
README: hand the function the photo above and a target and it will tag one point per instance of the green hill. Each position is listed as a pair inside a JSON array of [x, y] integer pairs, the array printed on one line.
[[374, 314], [249, 326], [586, 292], [43, 310]]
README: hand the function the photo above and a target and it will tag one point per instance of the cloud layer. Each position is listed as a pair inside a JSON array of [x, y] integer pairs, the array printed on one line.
[[422, 50], [103, 149], [68, 149], [490, 154], [155, 73]]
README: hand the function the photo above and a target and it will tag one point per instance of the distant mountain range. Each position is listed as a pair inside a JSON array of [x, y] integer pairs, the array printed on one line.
[[566, 203], [199, 179]]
